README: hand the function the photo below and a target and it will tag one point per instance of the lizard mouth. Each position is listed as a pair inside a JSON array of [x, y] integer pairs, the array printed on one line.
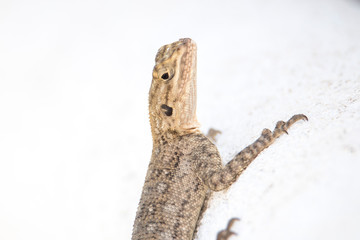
[[187, 85], [188, 60]]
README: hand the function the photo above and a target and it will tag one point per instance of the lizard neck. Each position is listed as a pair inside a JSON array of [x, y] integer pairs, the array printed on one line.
[[172, 96]]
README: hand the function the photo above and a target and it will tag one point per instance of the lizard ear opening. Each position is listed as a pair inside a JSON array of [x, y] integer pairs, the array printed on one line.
[[167, 110]]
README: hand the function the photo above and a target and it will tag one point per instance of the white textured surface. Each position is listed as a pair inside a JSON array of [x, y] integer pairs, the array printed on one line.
[[74, 132]]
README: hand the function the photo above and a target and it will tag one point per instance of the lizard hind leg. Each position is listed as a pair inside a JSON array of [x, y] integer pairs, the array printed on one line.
[[226, 233]]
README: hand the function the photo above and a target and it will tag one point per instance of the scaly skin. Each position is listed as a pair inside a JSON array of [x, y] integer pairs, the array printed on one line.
[[185, 165]]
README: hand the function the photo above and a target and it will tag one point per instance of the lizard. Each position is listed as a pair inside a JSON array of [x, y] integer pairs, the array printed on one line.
[[185, 166]]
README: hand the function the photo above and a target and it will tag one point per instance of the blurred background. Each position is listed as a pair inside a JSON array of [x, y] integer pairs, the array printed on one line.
[[75, 138]]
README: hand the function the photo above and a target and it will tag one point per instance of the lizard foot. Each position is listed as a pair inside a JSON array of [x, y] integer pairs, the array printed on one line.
[[282, 127], [226, 233], [212, 133]]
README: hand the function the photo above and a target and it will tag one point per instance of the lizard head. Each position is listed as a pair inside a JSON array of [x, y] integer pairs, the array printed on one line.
[[172, 96]]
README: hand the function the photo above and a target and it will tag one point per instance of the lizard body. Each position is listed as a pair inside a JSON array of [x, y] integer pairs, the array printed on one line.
[[185, 165]]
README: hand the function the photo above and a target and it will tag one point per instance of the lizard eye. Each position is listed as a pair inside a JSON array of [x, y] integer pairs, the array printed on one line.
[[166, 74]]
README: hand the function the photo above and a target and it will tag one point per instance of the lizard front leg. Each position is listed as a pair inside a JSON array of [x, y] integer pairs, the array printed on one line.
[[222, 177]]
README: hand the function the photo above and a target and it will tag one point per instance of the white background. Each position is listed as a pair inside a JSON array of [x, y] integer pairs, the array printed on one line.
[[75, 138]]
